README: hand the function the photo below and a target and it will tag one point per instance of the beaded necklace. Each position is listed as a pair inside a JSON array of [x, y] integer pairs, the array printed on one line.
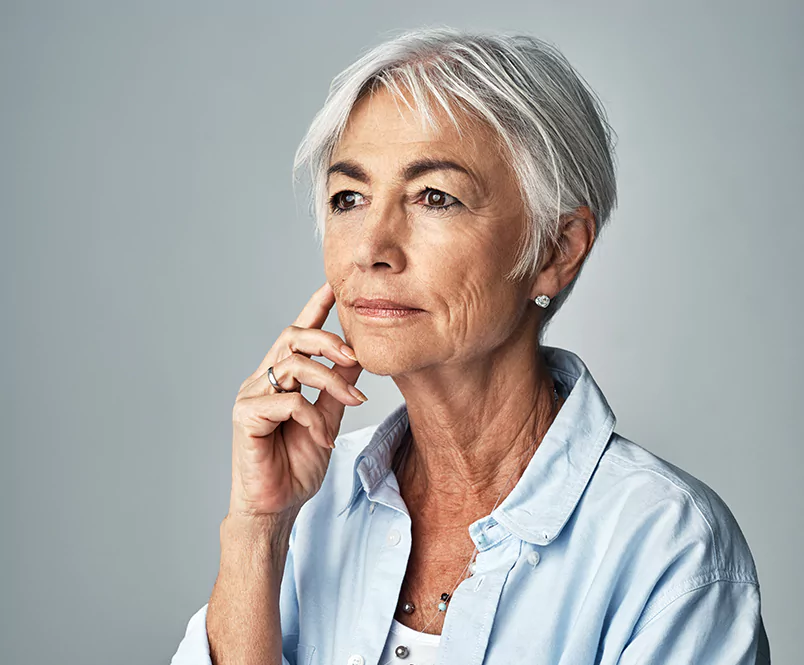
[[408, 607]]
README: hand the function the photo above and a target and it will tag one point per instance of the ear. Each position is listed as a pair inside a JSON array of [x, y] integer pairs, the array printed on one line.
[[566, 256]]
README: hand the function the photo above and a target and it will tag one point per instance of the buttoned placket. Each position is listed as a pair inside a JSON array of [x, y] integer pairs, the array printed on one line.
[[473, 606], [379, 605]]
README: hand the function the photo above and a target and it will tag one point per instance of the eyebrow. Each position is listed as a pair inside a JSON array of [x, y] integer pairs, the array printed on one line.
[[410, 172]]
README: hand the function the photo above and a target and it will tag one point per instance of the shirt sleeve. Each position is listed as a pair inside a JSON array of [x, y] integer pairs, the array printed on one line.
[[717, 622], [194, 646]]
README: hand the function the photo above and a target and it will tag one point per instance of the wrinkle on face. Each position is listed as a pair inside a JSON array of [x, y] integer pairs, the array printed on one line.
[[454, 263], [464, 365]]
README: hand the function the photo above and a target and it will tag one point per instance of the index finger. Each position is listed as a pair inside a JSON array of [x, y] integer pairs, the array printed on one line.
[[317, 309]]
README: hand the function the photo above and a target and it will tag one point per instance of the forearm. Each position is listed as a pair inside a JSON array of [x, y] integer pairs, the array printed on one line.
[[243, 622]]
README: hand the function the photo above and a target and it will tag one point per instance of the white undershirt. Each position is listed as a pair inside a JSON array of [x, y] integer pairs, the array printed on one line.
[[422, 647]]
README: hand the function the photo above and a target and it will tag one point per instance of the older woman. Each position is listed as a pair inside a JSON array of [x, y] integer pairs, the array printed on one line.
[[495, 516]]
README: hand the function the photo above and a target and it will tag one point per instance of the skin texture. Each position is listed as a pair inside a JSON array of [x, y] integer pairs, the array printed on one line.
[[468, 366]]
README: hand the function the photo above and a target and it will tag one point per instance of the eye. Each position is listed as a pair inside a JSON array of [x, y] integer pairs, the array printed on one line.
[[346, 200], [347, 197], [437, 199]]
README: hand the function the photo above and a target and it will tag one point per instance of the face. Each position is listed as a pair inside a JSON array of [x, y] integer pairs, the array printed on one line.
[[437, 239]]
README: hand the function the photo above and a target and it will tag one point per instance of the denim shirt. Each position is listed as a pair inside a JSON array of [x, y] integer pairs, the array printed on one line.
[[602, 553]]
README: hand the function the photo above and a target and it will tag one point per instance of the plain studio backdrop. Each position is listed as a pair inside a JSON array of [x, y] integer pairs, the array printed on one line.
[[152, 250]]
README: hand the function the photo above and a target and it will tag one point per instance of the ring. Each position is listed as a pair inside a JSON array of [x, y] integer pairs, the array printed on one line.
[[273, 380]]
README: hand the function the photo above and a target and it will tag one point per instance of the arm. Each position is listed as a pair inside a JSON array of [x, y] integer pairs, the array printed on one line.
[[281, 448], [714, 621], [254, 587]]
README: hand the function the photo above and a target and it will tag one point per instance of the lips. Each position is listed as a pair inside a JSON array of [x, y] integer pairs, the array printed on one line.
[[381, 303]]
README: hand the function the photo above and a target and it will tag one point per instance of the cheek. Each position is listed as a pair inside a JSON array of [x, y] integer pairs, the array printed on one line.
[[338, 269], [488, 315], [337, 259], [474, 295], [480, 302]]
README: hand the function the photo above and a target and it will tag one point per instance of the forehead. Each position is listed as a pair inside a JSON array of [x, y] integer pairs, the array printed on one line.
[[382, 123]]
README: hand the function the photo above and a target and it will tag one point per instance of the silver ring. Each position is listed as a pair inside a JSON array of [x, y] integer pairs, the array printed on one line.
[[273, 380]]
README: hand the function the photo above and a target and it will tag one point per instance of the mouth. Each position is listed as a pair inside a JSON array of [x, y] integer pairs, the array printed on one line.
[[381, 308]]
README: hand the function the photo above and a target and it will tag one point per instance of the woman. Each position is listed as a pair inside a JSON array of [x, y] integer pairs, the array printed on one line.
[[495, 516]]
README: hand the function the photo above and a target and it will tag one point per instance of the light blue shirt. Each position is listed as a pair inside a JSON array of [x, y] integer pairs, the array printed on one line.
[[602, 553]]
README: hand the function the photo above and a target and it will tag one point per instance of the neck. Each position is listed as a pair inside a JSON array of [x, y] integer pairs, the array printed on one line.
[[468, 447]]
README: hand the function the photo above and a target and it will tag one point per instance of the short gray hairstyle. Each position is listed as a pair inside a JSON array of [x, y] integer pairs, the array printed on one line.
[[547, 120]]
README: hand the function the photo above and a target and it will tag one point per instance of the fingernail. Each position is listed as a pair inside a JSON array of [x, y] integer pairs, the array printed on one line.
[[358, 394], [331, 441], [345, 350]]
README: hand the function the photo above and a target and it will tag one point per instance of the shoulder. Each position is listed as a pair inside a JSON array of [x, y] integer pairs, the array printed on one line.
[[677, 541], [672, 510]]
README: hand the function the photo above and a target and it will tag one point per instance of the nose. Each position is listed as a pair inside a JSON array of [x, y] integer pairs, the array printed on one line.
[[381, 237]]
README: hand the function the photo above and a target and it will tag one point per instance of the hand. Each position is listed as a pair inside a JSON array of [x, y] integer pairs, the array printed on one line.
[[282, 443]]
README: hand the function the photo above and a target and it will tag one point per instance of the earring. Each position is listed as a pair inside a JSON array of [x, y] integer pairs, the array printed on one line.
[[542, 300]]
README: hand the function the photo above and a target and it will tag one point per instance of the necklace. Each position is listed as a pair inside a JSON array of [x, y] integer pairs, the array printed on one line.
[[408, 607]]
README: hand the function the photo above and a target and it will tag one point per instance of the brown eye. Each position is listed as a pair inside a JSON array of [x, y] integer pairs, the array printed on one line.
[[343, 201], [347, 199], [436, 200]]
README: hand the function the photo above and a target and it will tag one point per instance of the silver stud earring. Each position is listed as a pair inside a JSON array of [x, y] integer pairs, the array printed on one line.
[[542, 300]]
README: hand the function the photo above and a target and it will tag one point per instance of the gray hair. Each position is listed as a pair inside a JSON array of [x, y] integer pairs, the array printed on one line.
[[547, 120]]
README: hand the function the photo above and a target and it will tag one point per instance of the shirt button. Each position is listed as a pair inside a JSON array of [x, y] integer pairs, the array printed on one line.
[[393, 537], [371, 507], [356, 659], [533, 558]]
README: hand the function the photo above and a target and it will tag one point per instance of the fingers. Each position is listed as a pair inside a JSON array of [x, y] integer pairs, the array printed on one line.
[[315, 312], [261, 415], [290, 357], [304, 341], [315, 342], [313, 316], [329, 404], [295, 370]]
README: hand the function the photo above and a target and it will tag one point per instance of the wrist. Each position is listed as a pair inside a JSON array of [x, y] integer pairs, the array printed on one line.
[[249, 539]]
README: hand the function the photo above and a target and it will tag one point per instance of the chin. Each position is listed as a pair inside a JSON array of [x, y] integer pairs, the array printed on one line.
[[387, 356]]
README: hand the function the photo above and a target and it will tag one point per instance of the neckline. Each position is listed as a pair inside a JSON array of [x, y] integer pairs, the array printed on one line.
[[405, 631]]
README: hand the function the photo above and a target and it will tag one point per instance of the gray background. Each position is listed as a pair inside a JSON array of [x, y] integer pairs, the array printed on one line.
[[152, 249]]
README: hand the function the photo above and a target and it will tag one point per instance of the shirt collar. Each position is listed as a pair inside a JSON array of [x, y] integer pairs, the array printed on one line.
[[544, 498]]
